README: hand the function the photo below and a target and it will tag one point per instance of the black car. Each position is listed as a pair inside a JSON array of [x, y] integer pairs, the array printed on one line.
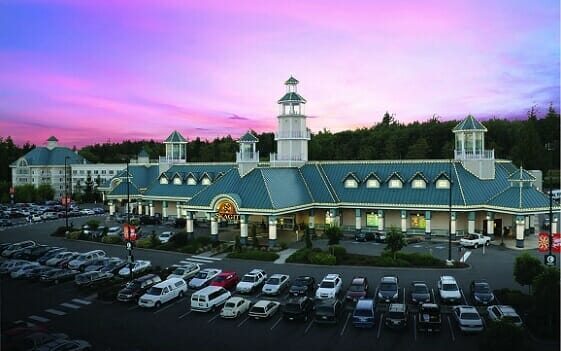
[[58, 275], [35, 273], [50, 254], [149, 220], [298, 308], [481, 292], [303, 285], [327, 311], [32, 253], [364, 236], [420, 292], [5, 223], [136, 288]]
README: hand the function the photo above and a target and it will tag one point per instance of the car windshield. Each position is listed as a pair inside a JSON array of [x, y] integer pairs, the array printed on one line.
[[133, 285], [396, 315], [299, 282], [229, 305], [327, 285], [292, 307], [420, 289], [248, 278], [449, 287], [179, 271], [154, 291], [363, 313], [258, 309], [470, 316], [273, 281], [356, 288], [482, 288], [388, 287], [219, 279], [324, 310], [201, 275]]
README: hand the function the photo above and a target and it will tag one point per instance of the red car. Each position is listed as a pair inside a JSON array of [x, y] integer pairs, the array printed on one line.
[[227, 280]]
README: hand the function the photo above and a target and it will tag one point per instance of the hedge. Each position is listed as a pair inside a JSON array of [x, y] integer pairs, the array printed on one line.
[[112, 239], [300, 256], [323, 258], [254, 255]]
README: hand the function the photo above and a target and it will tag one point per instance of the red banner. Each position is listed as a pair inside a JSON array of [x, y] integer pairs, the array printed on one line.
[[543, 242], [129, 232]]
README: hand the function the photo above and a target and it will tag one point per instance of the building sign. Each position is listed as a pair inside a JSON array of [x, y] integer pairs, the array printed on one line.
[[227, 211], [543, 242], [372, 220]]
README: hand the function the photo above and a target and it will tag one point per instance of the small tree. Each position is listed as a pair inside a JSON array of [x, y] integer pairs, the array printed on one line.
[[396, 241], [45, 192], [308, 239], [526, 269], [237, 244], [547, 298], [334, 234], [501, 335]]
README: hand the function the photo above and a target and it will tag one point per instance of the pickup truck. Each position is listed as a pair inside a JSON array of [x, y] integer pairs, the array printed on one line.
[[429, 318], [475, 240]]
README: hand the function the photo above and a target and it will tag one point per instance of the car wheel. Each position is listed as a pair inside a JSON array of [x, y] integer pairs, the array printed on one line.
[[475, 246], [158, 304], [487, 243], [180, 294], [56, 281]]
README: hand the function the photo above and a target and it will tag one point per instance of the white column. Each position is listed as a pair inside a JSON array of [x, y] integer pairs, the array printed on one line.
[[189, 228], [213, 227], [453, 225], [381, 220], [520, 225], [139, 207], [178, 206], [111, 208], [272, 231], [471, 222], [403, 221], [164, 209], [490, 224], [358, 219], [243, 229], [152, 209], [427, 226], [555, 224]]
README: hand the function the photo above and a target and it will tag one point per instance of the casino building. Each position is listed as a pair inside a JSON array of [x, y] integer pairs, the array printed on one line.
[[473, 192]]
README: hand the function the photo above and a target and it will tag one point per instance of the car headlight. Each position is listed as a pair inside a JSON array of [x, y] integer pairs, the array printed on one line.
[[414, 299], [477, 298], [395, 295]]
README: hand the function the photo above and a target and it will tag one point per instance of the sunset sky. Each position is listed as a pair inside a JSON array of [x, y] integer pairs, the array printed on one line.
[[92, 71]]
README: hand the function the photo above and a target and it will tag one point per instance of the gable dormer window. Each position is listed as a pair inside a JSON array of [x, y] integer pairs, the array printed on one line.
[[177, 181], [351, 183], [395, 184], [443, 184], [191, 181], [163, 180], [205, 181], [418, 184], [372, 183]]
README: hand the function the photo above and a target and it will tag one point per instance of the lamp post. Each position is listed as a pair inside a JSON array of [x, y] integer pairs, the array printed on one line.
[[450, 213], [129, 241], [549, 147], [65, 194]]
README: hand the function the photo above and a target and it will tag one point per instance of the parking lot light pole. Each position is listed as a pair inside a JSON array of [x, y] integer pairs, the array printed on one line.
[[549, 147], [65, 194], [129, 241], [450, 213]]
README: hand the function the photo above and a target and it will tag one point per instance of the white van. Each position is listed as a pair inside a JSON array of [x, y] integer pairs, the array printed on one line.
[[85, 259], [163, 292], [209, 298]]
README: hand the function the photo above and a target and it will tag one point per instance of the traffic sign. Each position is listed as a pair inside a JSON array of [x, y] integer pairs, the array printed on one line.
[[129, 245], [549, 260]]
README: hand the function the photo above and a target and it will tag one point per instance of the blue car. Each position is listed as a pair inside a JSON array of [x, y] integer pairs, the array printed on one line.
[[363, 314]]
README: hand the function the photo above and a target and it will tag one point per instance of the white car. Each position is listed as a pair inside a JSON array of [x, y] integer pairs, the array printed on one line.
[[251, 281], [234, 307], [468, 318], [21, 270], [475, 240], [11, 265], [504, 313], [263, 309], [59, 258], [87, 212], [186, 271], [203, 278], [36, 218], [449, 290], [138, 266], [9, 251], [163, 292], [165, 236], [330, 287], [114, 231], [276, 284]]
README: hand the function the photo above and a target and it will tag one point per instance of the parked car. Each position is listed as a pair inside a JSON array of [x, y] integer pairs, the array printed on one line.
[[65, 345], [504, 313], [10, 250], [327, 310], [138, 266], [396, 316], [330, 287], [203, 278], [449, 290], [99, 263], [29, 341], [163, 292], [263, 309], [429, 318], [364, 313], [20, 270], [358, 289], [64, 262], [8, 266], [468, 319], [58, 275], [377, 236], [209, 298], [251, 281], [5, 222], [276, 284], [302, 285], [235, 306], [186, 271], [149, 220], [137, 287], [115, 231], [420, 292], [51, 253], [481, 292], [475, 240], [91, 278], [227, 280], [54, 261], [388, 289], [298, 308], [113, 266], [85, 259], [36, 272], [165, 236]]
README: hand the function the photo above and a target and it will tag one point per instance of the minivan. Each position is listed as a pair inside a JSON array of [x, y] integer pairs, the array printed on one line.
[[364, 313], [85, 259], [207, 299], [163, 292]]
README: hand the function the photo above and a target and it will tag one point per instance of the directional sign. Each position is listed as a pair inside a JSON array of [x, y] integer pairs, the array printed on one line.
[[549, 260]]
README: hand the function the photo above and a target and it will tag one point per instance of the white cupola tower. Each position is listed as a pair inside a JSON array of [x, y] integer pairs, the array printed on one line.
[[470, 148], [248, 156], [293, 135]]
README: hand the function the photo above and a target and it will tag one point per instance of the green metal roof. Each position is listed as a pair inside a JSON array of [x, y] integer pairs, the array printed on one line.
[[42, 156], [175, 137], [521, 175], [141, 176], [52, 138], [143, 153], [522, 198], [291, 80], [469, 123], [292, 97], [248, 137]]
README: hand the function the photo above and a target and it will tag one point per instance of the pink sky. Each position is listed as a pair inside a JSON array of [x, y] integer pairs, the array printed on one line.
[[95, 71]]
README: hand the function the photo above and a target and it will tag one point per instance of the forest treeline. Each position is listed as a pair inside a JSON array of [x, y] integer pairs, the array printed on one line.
[[532, 143]]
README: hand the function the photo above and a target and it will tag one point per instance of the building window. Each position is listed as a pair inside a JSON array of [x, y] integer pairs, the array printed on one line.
[[163, 180], [191, 181], [443, 184], [372, 183], [177, 181], [81, 171], [351, 183], [110, 171], [395, 184], [418, 184], [205, 181], [75, 172], [103, 171], [418, 221], [96, 172]]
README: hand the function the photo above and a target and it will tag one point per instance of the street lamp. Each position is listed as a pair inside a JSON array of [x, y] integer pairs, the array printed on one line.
[[549, 147], [450, 212], [129, 241], [65, 194]]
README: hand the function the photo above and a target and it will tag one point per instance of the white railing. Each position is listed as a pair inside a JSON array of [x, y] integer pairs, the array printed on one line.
[[163, 159], [293, 135], [471, 155], [248, 156]]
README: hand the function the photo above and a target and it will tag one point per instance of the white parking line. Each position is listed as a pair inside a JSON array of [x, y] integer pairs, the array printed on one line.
[[380, 325], [163, 308], [39, 319], [451, 329], [345, 325], [465, 256], [213, 318], [207, 258], [414, 327], [69, 305], [134, 307], [83, 302], [276, 323], [57, 312], [242, 322], [308, 327], [198, 260], [188, 260], [185, 314]]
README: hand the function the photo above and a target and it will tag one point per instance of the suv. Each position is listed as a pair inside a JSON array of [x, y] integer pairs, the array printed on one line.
[[330, 287], [298, 308], [358, 289], [251, 281], [303, 285], [388, 289], [449, 290], [504, 313], [115, 231], [85, 259], [136, 288], [327, 311], [481, 292], [364, 314], [397, 316]]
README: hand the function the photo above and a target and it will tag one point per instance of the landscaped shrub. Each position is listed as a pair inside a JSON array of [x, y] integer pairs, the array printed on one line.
[[323, 258], [178, 240], [93, 224], [202, 240], [300, 256], [420, 260], [112, 239], [144, 243], [189, 249], [254, 255], [74, 235], [60, 232]]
